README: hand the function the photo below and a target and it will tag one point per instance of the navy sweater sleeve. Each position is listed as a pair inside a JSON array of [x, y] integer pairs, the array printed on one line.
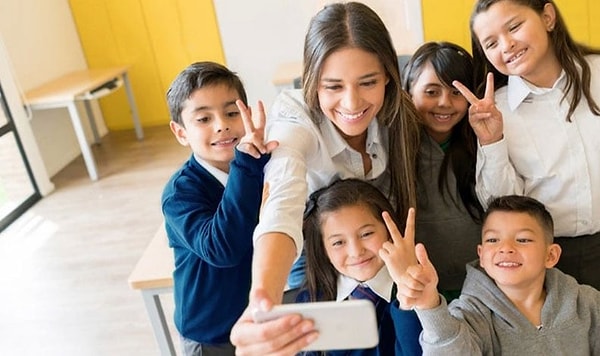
[[214, 222], [408, 328]]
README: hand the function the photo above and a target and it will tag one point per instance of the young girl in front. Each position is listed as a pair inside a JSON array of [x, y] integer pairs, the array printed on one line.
[[449, 213], [538, 133], [352, 242]]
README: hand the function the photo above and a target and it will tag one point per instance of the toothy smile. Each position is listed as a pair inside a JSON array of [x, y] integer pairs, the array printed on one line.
[[224, 142], [516, 56], [508, 264], [442, 117], [351, 117]]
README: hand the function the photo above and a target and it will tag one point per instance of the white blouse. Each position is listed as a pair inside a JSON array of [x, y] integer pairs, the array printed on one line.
[[544, 156], [308, 158]]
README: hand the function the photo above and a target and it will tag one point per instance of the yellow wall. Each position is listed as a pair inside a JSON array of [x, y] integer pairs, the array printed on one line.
[[157, 38], [449, 20]]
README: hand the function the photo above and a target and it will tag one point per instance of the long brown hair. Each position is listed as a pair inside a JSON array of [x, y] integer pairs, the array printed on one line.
[[355, 25], [569, 53]]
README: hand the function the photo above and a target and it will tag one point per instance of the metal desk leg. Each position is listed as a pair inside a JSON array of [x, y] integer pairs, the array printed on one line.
[[90, 115], [86, 151], [158, 321], [134, 113]]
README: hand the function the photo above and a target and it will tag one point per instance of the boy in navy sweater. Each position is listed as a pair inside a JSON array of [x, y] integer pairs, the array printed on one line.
[[211, 204]]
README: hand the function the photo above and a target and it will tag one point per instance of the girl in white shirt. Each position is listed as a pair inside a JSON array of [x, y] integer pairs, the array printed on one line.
[[538, 134], [351, 120]]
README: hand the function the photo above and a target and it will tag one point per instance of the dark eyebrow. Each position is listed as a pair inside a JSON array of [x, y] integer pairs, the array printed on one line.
[[435, 85], [525, 229], [359, 228], [505, 24], [366, 76], [207, 107]]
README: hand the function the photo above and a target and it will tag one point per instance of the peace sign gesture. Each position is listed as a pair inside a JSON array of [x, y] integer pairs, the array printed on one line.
[[253, 142], [484, 117], [399, 253]]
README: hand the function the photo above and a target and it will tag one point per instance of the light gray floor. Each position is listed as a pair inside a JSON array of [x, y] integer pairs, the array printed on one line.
[[64, 264]]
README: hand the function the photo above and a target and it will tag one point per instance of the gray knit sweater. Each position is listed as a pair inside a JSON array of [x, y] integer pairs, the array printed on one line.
[[445, 228], [484, 322]]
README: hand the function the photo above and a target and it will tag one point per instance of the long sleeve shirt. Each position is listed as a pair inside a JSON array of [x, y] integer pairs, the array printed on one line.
[[483, 321], [209, 226], [309, 157], [544, 156]]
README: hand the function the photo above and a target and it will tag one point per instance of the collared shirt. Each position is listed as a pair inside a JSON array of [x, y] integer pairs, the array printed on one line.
[[381, 284], [544, 156], [217, 173], [309, 157]]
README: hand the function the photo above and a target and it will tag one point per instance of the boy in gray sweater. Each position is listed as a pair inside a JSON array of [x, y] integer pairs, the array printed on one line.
[[513, 301]]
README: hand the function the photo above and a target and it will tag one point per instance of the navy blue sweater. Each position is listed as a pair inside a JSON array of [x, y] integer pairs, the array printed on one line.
[[210, 230]]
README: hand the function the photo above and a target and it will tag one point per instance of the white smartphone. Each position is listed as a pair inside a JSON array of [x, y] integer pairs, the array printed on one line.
[[350, 324]]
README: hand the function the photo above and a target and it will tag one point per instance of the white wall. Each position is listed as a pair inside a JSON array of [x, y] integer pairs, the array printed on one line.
[[42, 44], [19, 117], [259, 35]]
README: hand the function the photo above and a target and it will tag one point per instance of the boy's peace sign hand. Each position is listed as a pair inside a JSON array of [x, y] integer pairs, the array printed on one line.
[[484, 117], [417, 287], [399, 253], [253, 142]]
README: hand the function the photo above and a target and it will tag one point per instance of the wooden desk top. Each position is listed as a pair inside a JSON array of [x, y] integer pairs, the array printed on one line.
[[155, 268], [67, 87]]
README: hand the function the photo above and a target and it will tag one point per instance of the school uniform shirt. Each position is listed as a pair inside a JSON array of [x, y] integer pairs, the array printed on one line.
[[483, 321], [544, 156], [398, 329], [209, 218], [309, 157]]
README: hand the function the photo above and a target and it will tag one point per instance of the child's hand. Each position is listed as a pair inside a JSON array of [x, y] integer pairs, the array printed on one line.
[[400, 252], [484, 117], [417, 287], [253, 142]]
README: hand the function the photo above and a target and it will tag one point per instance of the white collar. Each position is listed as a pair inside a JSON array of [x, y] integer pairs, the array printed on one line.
[[217, 173], [518, 89], [381, 284], [335, 142]]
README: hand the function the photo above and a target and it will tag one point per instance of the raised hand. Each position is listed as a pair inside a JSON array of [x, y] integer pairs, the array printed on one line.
[[283, 336], [417, 287], [484, 117], [253, 142], [399, 253]]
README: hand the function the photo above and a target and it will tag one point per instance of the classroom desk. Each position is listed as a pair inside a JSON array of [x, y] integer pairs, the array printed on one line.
[[84, 85], [152, 275]]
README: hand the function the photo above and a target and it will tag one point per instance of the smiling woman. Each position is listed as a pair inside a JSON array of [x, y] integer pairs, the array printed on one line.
[[350, 120]]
